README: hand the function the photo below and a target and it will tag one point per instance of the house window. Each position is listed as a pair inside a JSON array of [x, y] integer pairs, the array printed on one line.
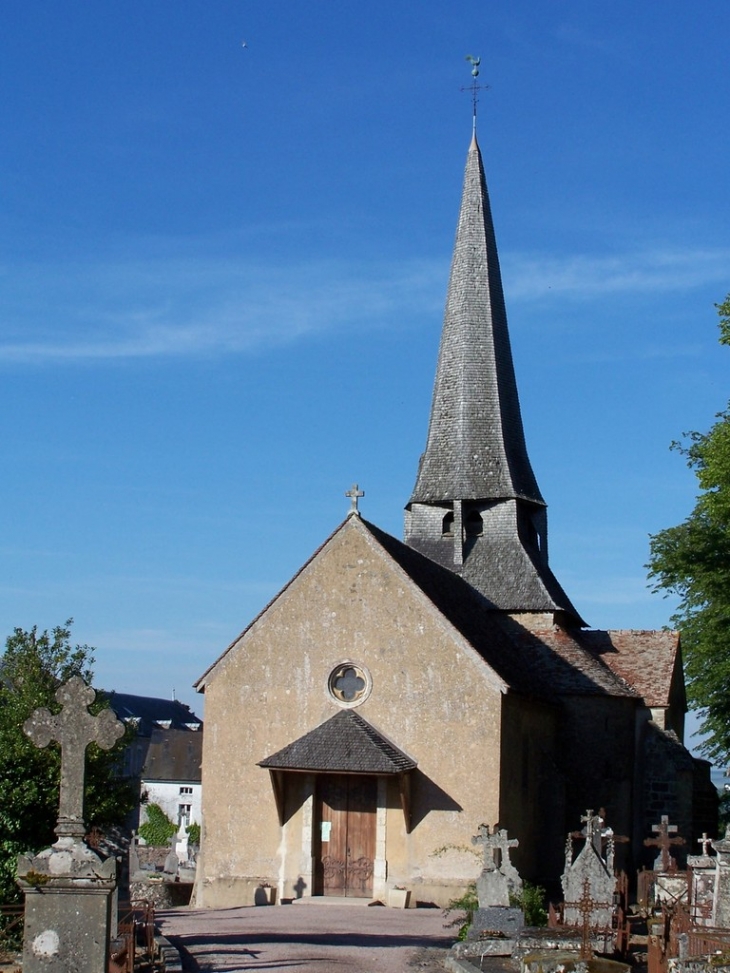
[[447, 525], [186, 790], [183, 814]]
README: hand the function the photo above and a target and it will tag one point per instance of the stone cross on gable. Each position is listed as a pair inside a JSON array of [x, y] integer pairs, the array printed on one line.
[[496, 844], [74, 728], [663, 841], [354, 493]]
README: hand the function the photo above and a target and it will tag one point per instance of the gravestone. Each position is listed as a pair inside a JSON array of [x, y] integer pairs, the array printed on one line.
[[499, 878], [181, 844], [171, 862], [134, 866], [68, 888], [588, 880]]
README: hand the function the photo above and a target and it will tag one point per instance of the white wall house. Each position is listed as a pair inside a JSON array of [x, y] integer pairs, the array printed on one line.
[[165, 755]]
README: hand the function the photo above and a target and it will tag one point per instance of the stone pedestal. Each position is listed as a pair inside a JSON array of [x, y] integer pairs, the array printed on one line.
[[68, 898], [721, 904], [497, 922], [702, 894]]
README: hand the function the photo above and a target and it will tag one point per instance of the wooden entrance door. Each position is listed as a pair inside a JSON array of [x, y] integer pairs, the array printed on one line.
[[346, 834]]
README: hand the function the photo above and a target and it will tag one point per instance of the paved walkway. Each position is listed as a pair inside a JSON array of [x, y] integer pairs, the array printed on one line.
[[315, 938]]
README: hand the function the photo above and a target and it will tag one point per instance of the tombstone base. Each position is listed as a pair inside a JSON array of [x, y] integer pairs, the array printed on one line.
[[556, 961], [498, 922], [68, 898]]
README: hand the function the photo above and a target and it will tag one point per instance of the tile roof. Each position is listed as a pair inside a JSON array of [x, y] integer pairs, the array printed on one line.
[[647, 660], [346, 743]]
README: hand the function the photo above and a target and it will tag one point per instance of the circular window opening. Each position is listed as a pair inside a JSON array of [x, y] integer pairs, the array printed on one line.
[[349, 684]]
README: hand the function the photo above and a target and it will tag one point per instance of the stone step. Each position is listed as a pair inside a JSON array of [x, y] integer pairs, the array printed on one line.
[[332, 900]]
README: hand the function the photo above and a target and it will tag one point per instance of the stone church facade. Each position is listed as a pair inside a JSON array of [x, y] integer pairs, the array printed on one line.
[[395, 695]]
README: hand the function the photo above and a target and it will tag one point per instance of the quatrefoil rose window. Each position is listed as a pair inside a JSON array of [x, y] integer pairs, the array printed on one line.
[[349, 684]]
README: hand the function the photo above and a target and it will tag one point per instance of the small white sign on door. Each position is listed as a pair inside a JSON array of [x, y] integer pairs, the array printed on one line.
[[326, 829]]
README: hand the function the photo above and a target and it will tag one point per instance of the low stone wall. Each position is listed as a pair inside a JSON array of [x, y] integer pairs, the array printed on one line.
[[152, 855], [162, 895]]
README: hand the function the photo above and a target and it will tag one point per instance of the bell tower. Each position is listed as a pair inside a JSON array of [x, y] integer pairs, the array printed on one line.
[[476, 507]]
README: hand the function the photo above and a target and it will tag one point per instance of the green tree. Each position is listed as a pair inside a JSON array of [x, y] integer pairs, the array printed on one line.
[[33, 666], [692, 560]]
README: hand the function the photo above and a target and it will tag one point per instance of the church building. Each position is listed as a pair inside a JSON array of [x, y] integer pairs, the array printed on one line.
[[396, 695]]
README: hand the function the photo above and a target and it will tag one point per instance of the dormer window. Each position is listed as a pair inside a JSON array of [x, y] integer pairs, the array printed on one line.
[[474, 524], [447, 525]]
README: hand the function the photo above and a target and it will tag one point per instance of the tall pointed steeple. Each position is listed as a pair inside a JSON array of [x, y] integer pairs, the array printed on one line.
[[476, 506]]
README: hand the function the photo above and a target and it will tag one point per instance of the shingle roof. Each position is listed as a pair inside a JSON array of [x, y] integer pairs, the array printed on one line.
[[543, 664], [174, 755], [476, 444], [346, 743], [527, 662], [151, 711]]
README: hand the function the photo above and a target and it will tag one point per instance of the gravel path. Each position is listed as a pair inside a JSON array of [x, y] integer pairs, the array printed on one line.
[[315, 938]]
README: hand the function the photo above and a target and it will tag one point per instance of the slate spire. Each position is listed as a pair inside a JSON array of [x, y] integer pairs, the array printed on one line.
[[476, 506], [476, 444]]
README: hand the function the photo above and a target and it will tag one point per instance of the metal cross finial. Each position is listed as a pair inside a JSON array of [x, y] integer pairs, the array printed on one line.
[[474, 87], [354, 493], [74, 728]]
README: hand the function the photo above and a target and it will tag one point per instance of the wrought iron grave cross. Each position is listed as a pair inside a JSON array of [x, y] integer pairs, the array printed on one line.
[[74, 728], [585, 907], [663, 841]]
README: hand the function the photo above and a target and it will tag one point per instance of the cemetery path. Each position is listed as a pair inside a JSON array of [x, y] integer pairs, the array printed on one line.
[[312, 938]]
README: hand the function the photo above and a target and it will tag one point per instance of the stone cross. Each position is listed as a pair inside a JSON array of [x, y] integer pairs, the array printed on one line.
[[705, 842], [496, 842], [597, 834], [663, 841], [593, 828], [74, 728], [354, 493]]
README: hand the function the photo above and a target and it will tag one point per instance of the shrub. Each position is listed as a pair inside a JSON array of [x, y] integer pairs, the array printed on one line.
[[158, 829], [466, 905], [532, 902]]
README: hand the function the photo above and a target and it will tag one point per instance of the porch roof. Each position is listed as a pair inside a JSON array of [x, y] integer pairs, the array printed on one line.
[[344, 744]]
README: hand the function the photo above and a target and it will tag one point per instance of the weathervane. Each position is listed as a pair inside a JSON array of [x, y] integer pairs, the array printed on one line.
[[474, 87]]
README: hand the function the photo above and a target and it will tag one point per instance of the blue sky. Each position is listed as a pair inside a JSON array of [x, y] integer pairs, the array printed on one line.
[[222, 275]]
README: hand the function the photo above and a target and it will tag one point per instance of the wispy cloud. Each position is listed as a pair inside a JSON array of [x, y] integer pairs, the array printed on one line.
[[533, 277], [198, 307], [186, 307]]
